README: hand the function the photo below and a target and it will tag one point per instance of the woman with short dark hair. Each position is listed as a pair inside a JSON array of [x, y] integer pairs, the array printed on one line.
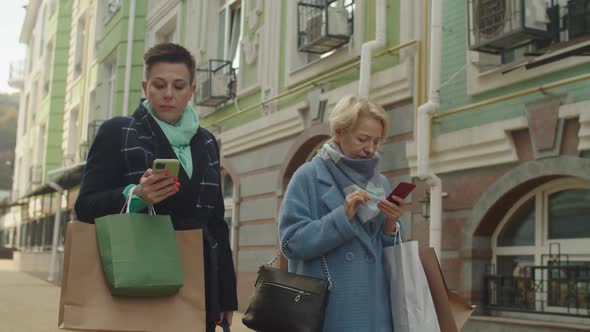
[[164, 126]]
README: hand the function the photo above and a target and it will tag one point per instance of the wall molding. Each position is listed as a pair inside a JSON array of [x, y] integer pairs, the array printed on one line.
[[486, 145], [579, 110], [262, 131]]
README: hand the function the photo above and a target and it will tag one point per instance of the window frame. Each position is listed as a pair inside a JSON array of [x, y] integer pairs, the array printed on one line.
[[576, 249], [230, 205]]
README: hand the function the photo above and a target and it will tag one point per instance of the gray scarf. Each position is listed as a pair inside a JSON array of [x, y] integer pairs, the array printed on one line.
[[352, 174]]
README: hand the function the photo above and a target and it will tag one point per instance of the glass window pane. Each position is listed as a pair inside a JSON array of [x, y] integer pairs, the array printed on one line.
[[569, 214], [221, 35], [514, 266], [228, 186], [569, 285], [520, 228]]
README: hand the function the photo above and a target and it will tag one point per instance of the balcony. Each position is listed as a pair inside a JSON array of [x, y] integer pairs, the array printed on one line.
[[215, 83], [324, 25], [16, 77], [555, 289]]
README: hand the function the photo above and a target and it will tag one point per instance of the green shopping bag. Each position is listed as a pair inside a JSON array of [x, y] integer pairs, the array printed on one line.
[[139, 254]]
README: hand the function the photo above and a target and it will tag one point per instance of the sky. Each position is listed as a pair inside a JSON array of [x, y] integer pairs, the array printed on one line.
[[12, 15]]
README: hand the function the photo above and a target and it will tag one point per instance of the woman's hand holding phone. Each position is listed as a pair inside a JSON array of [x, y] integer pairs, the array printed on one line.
[[394, 206], [154, 188], [392, 213]]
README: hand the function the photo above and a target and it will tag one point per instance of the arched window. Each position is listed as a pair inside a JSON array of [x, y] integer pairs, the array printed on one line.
[[542, 249]]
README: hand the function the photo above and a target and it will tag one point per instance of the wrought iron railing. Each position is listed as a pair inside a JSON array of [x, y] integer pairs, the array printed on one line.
[[557, 288]]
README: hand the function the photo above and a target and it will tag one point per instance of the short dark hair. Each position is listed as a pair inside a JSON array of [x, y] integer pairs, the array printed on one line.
[[169, 52]]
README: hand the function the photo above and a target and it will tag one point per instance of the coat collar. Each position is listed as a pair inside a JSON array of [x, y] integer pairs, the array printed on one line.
[[332, 197]]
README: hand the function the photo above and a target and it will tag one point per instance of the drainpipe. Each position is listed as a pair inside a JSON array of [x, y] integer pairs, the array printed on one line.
[[425, 113], [56, 231], [130, 27], [368, 47]]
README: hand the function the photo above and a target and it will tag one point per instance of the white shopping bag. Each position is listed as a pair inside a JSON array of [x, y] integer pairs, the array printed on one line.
[[412, 307]]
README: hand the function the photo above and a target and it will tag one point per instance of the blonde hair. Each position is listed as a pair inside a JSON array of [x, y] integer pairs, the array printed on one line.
[[347, 111]]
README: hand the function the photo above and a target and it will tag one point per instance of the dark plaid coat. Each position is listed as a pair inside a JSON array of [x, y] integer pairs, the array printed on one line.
[[124, 147]]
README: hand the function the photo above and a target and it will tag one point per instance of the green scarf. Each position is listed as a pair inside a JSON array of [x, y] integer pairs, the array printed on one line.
[[180, 135]]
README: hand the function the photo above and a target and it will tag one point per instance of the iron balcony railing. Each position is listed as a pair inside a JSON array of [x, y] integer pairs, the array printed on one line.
[[551, 289]]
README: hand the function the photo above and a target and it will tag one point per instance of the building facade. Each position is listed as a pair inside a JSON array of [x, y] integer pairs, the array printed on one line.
[[510, 142], [511, 145], [79, 72], [270, 112]]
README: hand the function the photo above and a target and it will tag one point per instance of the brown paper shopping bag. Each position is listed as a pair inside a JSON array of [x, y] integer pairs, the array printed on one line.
[[452, 310], [86, 303]]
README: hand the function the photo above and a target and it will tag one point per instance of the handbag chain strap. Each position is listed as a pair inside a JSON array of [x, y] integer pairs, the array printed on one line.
[[322, 258]]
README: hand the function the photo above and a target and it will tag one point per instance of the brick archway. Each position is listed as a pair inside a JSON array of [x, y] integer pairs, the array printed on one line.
[[495, 203], [301, 148]]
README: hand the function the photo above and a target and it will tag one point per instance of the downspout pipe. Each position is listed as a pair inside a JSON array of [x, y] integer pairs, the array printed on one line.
[[425, 113], [368, 47], [56, 231], [128, 64]]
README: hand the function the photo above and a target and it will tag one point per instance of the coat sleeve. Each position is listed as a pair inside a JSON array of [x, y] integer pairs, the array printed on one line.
[[101, 189], [228, 298], [310, 237]]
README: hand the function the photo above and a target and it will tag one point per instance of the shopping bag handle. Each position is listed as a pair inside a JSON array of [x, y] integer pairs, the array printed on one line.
[[150, 207], [398, 235]]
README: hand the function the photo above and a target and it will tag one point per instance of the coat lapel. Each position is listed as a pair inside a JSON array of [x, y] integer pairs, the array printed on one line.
[[200, 158], [332, 197]]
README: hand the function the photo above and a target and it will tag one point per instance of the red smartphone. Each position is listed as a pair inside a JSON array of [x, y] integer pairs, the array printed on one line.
[[402, 190]]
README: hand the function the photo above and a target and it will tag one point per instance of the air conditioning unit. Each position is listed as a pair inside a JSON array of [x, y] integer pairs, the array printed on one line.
[[496, 26], [215, 82], [336, 24], [322, 29]]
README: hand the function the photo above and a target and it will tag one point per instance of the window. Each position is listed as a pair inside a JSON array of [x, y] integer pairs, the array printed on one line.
[[43, 18], [47, 68], [227, 185], [541, 253], [520, 228], [80, 40], [70, 155], [569, 214], [229, 32], [106, 108]]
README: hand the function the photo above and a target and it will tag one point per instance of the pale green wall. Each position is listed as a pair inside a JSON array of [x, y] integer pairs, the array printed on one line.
[[114, 39], [380, 64], [454, 91], [60, 24]]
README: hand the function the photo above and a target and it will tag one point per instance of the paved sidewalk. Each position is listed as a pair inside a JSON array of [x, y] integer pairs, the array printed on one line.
[[30, 304]]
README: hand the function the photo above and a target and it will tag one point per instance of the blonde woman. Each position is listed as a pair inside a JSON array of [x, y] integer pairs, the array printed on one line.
[[335, 207]]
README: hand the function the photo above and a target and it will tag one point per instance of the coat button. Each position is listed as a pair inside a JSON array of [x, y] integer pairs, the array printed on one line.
[[370, 259], [349, 256]]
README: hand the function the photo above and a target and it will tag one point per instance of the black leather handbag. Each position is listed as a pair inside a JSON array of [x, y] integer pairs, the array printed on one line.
[[287, 302]]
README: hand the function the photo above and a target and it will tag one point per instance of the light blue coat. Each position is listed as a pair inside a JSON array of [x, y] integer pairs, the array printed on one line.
[[313, 221]]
